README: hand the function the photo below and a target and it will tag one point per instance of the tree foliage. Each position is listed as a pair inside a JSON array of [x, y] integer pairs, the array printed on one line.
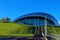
[[5, 20]]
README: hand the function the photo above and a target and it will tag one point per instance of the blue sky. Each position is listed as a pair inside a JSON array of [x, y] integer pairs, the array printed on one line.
[[16, 8]]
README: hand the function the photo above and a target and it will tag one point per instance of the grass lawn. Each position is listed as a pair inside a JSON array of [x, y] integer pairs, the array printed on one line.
[[54, 30], [13, 29]]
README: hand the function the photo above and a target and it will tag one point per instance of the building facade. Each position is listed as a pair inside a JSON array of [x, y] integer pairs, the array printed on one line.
[[37, 19]]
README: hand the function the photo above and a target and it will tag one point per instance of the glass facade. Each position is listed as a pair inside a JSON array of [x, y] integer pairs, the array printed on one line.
[[35, 21]]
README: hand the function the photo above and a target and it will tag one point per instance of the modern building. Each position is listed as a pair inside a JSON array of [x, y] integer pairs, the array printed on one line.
[[37, 19]]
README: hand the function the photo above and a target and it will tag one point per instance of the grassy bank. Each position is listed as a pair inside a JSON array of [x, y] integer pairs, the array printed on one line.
[[13, 29]]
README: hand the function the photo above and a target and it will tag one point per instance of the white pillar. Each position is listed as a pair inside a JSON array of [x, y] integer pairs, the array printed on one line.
[[45, 26]]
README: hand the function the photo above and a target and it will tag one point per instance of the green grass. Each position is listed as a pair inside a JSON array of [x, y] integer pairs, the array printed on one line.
[[13, 29], [54, 30]]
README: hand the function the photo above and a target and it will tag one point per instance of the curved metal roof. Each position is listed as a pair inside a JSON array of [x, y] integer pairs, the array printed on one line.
[[41, 14]]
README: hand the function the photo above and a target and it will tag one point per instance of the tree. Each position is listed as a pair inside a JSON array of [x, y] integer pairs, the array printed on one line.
[[5, 20], [2, 20]]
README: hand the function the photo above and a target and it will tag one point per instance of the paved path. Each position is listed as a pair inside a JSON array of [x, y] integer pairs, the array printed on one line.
[[23, 38]]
